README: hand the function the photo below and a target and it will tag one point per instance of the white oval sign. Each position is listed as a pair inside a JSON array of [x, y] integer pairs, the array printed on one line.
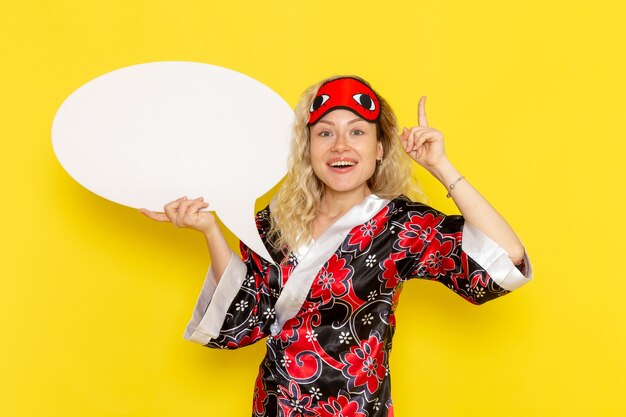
[[147, 134]]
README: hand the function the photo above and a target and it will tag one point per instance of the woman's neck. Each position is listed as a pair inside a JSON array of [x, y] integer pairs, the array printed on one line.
[[335, 204]]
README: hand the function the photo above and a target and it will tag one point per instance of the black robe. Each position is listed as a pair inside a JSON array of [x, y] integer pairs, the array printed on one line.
[[327, 310]]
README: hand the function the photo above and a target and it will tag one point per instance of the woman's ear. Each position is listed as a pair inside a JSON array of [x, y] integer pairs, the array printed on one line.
[[379, 151]]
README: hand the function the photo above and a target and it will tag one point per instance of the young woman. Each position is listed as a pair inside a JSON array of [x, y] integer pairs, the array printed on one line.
[[344, 239]]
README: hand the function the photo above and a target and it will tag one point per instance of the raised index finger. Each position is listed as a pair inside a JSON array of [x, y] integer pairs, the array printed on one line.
[[421, 112]]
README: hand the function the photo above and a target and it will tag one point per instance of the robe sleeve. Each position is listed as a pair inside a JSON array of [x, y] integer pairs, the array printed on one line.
[[238, 310], [450, 250]]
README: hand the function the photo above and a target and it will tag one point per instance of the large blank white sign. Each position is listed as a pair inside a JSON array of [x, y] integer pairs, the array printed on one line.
[[147, 134]]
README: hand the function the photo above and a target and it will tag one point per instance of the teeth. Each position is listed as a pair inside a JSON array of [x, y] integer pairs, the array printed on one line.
[[342, 164]]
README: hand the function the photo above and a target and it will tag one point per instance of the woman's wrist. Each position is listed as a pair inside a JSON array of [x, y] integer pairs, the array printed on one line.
[[212, 231], [444, 171]]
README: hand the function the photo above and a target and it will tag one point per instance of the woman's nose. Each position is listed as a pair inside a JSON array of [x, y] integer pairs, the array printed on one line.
[[340, 144]]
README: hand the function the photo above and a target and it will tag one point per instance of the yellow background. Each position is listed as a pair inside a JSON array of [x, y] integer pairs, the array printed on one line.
[[530, 97]]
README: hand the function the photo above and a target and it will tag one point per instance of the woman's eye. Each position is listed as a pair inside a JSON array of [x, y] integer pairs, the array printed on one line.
[[358, 132], [325, 133]]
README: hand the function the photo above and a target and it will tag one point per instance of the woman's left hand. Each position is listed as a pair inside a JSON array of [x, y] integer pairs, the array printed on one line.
[[424, 144]]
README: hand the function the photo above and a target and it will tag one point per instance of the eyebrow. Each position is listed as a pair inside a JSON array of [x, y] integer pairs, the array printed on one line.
[[358, 119]]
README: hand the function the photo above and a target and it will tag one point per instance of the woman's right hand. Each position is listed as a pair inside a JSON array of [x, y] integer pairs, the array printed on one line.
[[185, 213]]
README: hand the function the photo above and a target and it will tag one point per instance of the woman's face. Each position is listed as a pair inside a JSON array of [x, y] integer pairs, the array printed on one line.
[[344, 150]]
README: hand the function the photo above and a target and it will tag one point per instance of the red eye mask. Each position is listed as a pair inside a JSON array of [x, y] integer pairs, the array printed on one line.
[[345, 93]]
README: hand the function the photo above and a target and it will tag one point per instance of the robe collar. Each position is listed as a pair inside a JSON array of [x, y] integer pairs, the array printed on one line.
[[312, 257]]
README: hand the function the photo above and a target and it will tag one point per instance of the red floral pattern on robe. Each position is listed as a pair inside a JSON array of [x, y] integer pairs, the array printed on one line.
[[332, 358]]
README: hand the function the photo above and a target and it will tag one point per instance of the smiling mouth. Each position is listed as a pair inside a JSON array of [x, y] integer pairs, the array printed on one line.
[[342, 164]]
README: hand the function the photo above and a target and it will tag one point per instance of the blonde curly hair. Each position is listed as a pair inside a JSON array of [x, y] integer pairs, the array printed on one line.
[[300, 195]]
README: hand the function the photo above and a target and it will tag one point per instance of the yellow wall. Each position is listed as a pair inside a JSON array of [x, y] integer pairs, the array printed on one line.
[[530, 97]]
